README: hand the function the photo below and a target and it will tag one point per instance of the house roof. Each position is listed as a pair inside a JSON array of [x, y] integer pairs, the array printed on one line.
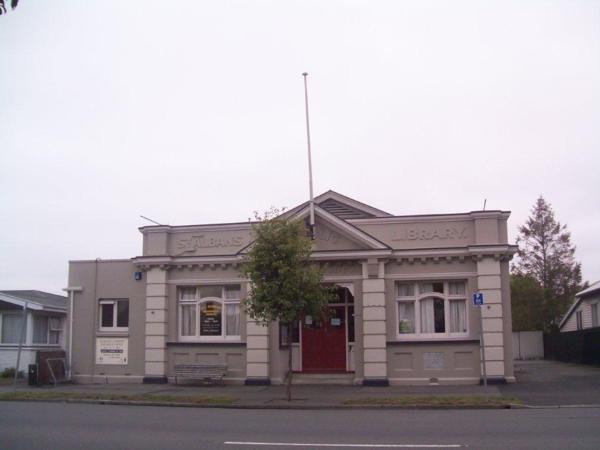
[[594, 287], [591, 289], [35, 299]]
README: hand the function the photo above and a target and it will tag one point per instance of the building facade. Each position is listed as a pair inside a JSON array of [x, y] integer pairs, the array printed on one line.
[[403, 313], [32, 321], [584, 313]]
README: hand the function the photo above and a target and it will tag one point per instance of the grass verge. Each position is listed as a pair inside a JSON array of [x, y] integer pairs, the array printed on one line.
[[437, 400], [190, 399]]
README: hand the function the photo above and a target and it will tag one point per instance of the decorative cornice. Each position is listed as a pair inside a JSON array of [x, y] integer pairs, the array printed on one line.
[[447, 256], [244, 226], [439, 256], [451, 217]]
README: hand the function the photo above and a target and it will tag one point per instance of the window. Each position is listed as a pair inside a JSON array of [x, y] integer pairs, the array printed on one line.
[[579, 317], [431, 309], [595, 315], [11, 328], [46, 329], [114, 315], [209, 313], [283, 337]]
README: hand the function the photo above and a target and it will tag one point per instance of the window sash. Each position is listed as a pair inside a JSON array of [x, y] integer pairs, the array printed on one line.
[[11, 329], [114, 315], [193, 313], [451, 313], [40, 329]]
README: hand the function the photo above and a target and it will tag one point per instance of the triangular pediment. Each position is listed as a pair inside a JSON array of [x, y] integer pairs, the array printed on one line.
[[333, 233]]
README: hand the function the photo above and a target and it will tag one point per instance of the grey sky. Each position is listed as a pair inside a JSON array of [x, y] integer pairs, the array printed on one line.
[[192, 112]]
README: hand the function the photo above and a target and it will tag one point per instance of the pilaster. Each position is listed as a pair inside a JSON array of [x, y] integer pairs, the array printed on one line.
[[492, 311], [155, 349], [374, 329], [257, 353]]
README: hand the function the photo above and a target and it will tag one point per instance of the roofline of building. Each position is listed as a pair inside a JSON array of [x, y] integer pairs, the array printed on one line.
[[594, 287], [38, 306]]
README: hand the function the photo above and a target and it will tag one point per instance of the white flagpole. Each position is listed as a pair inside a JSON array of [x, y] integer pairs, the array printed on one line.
[[310, 178]]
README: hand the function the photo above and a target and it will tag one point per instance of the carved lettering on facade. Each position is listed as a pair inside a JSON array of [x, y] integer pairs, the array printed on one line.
[[327, 235], [194, 243], [423, 234]]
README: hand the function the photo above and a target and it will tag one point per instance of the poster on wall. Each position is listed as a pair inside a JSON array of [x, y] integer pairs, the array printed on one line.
[[210, 319], [111, 350]]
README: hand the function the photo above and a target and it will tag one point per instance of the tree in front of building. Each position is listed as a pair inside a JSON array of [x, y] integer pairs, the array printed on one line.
[[13, 5], [546, 255], [285, 285]]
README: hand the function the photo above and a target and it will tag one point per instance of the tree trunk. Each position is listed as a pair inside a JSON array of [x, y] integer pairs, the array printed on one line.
[[289, 380]]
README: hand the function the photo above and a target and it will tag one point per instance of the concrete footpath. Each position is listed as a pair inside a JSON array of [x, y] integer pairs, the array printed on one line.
[[539, 384], [304, 396]]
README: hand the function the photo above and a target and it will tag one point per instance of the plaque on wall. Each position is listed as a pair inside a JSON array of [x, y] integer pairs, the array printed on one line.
[[111, 351], [433, 360]]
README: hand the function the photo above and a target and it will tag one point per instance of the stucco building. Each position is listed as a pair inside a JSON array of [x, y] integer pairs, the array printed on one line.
[[403, 315]]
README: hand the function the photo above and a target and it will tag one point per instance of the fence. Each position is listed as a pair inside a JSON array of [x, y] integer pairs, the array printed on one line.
[[528, 345], [582, 346]]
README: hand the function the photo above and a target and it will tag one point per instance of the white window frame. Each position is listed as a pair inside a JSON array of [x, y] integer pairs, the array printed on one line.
[[579, 320], [595, 317], [416, 299], [114, 302], [12, 313], [197, 301], [49, 329]]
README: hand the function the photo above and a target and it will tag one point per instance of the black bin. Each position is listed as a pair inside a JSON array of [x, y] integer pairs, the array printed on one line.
[[32, 375]]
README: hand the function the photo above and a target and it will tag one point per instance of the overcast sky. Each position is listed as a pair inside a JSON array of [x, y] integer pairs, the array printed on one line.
[[193, 112]]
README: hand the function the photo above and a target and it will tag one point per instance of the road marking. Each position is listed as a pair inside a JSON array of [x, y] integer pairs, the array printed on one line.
[[298, 444]]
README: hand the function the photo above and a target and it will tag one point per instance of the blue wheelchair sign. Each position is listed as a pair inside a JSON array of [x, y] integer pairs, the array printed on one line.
[[478, 298]]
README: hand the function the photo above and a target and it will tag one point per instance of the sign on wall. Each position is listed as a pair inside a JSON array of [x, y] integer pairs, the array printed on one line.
[[112, 351]]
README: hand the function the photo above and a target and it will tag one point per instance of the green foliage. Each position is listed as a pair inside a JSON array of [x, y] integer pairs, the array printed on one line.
[[13, 5], [285, 285], [527, 303], [9, 372], [547, 256]]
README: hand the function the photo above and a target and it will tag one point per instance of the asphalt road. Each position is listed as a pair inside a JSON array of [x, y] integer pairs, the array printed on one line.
[[81, 426]]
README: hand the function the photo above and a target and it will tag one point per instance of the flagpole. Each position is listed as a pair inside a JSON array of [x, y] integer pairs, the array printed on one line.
[[310, 178]]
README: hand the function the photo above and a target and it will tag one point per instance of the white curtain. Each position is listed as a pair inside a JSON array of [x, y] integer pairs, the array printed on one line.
[[406, 317], [187, 293], [40, 329], [427, 316], [188, 320], [233, 292], [232, 311], [11, 328], [458, 319]]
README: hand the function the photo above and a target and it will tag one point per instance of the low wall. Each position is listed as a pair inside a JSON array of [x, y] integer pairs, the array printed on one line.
[[528, 345]]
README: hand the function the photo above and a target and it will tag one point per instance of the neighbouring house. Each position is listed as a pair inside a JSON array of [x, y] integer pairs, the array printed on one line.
[[585, 311], [44, 317], [403, 314]]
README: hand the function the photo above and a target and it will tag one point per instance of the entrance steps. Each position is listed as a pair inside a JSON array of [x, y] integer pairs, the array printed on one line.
[[331, 378]]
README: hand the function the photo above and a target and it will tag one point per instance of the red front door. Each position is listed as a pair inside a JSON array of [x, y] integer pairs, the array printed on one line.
[[324, 341]]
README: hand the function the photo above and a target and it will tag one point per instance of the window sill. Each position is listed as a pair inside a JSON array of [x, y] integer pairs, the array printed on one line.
[[109, 333], [440, 340], [220, 343]]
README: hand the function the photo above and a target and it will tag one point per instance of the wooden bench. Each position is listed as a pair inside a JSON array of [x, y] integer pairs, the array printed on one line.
[[204, 372]]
